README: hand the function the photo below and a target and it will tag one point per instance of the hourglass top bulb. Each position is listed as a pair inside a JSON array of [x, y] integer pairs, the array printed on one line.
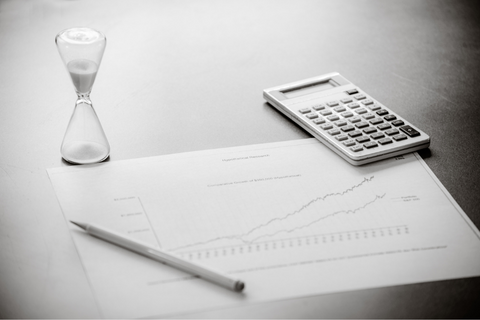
[[81, 50]]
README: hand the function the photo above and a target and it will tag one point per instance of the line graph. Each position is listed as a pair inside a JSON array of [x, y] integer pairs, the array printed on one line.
[[308, 214]]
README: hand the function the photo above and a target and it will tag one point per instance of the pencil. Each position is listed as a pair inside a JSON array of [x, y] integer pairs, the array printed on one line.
[[162, 256]]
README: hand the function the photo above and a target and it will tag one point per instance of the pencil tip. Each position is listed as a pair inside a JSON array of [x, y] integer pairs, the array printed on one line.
[[81, 225]]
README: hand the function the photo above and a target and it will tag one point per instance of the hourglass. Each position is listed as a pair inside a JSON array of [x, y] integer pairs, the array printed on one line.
[[81, 50]]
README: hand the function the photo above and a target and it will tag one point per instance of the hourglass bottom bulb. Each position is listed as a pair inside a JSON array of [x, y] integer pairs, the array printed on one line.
[[84, 152]]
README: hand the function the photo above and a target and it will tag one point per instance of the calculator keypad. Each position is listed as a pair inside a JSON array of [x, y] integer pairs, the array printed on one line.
[[358, 122]]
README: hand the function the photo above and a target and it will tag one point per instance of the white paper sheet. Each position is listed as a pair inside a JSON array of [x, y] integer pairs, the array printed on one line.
[[290, 219]]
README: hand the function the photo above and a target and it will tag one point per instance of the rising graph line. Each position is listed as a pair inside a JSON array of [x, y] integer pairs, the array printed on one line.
[[242, 236], [318, 220]]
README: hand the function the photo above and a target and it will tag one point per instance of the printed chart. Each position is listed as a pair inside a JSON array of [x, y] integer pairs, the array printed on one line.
[[289, 219]]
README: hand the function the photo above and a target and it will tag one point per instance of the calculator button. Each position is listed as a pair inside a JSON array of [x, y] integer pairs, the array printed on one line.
[[377, 135], [334, 132], [368, 116], [326, 126], [346, 114], [318, 107], [398, 123], [332, 103], [340, 109], [325, 112], [410, 131], [346, 100], [382, 112], [341, 137], [374, 107], [384, 126], [361, 111], [367, 102], [355, 133], [355, 119], [319, 121], [304, 110], [362, 124], [352, 91], [353, 105], [399, 137], [333, 118], [369, 130], [360, 96], [390, 117], [391, 132], [363, 139], [376, 121], [348, 128], [341, 123], [356, 148], [349, 143], [385, 141], [311, 115], [370, 144]]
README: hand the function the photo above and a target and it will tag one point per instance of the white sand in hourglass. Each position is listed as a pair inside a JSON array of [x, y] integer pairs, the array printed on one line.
[[83, 73]]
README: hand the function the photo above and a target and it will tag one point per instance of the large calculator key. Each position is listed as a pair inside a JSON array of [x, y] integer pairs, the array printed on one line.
[[355, 119], [368, 116], [410, 131], [312, 116], [374, 107], [384, 126], [370, 130], [325, 112], [376, 121], [352, 91], [377, 135], [370, 144], [362, 124], [341, 137], [367, 102], [341, 123], [346, 114], [304, 110], [332, 103], [326, 126], [348, 128], [391, 132], [384, 141], [399, 137], [353, 105], [361, 111], [356, 148], [355, 133], [339, 109], [318, 107], [349, 143], [390, 117], [334, 132], [360, 96], [363, 139], [398, 123], [333, 118], [346, 100], [319, 121], [382, 112]]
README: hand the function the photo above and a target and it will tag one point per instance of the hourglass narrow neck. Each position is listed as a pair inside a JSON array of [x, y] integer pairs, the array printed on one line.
[[83, 98]]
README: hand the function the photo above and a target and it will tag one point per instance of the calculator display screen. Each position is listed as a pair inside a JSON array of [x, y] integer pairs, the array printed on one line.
[[310, 88]]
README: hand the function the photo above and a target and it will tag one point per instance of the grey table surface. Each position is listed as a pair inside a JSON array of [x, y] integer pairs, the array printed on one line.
[[182, 76]]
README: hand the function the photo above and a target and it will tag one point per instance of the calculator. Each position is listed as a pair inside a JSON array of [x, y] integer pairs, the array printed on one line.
[[346, 119]]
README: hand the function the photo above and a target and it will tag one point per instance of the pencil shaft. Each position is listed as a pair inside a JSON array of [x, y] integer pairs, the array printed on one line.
[[163, 256]]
